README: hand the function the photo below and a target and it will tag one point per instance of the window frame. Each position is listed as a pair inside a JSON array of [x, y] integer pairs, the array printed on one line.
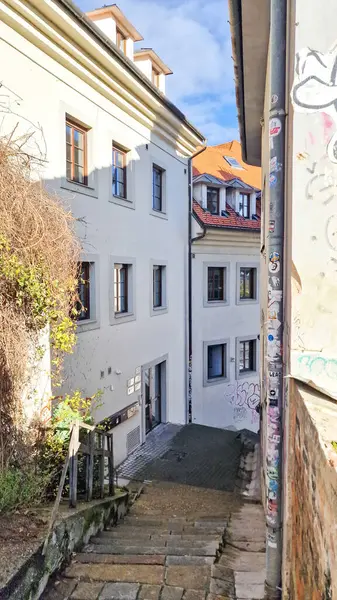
[[216, 303], [247, 265], [217, 190], [68, 112], [121, 38], [247, 373], [86, 306], [74, 125], [155, 76], [159, 170], [116, 317], [207, 381], [93, 322], [118, 268], [118, 149], [163, 308], [247, 196]]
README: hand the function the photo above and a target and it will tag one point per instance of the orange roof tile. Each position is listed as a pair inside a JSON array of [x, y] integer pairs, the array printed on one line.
[[212, 161], [233, 221]]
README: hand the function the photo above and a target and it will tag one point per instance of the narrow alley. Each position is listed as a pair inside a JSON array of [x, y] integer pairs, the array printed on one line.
[[190, 535]]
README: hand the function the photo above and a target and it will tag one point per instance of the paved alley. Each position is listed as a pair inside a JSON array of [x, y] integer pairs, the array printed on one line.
[[180, 540]]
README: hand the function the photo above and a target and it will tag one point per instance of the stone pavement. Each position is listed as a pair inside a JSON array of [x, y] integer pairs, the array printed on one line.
[[179, 541]]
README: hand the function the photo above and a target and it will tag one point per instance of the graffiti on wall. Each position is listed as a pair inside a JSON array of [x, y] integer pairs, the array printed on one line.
[[245, 399], [310, 365]]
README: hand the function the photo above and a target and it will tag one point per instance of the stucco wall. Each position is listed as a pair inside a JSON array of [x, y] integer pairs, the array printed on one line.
[[230, 405], [39, 98]]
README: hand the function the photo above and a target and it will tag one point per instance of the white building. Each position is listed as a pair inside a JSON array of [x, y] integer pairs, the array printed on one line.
[[225, 293], [117, 152]]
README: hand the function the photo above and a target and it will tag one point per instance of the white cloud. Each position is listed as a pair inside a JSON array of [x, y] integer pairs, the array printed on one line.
[[192, 38]]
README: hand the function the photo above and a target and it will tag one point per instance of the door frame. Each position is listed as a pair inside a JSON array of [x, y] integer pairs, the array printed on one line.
[[163, 392]]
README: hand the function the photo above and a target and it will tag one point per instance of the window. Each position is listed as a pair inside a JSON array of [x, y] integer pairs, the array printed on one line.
[[244, 206], [155, 77], [247, 357], [216, 361], [119, 160], [213, 200], [121, 41], [233, 162], [76, 153], [83, 304], [216, 288], [248, 283], [157, 188], [157, 286], [121, 288]]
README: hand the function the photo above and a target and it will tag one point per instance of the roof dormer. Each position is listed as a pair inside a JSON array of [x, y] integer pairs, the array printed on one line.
[[116, 27], [152, 66]]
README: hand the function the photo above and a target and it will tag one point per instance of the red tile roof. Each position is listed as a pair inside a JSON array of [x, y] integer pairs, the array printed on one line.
[[233, 221]]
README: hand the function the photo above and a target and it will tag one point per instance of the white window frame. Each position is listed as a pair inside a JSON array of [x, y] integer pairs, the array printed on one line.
[[218, 380], [216, 303], [164, 308], [116, 318], [255, 371], [94, 289], [161, 214], [248, 265], [129, 201], [71, 113]]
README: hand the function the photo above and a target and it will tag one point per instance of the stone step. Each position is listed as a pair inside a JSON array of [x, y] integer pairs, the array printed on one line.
[[247, 546], [188, 530], [193, 577], [105, 538], [102, 548], [203, 536], [122, 559], [242, 561]]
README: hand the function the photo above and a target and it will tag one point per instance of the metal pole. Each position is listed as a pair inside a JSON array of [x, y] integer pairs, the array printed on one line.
[[275, 316]]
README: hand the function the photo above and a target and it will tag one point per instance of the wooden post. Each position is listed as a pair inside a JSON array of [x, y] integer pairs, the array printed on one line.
[[111, 464], [90, 463], [73, 464], [102, 463]]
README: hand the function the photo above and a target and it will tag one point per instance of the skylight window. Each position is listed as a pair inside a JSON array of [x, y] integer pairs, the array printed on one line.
[[233, 162]]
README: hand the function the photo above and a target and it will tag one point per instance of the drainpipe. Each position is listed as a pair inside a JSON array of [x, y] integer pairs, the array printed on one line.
[[275, 326], [190, 216]]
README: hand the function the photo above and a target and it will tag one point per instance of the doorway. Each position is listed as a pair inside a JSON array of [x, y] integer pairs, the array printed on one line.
[[154, 395]]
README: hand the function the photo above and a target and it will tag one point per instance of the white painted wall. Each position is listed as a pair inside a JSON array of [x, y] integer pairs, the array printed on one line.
[[48, 91], [227, 405]]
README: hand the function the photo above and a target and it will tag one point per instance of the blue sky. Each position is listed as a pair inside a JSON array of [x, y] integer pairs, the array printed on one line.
[[192, 37]]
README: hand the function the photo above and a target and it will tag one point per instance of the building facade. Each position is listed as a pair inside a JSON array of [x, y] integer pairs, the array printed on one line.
[[116, 151], [225, 290], [285, 66]]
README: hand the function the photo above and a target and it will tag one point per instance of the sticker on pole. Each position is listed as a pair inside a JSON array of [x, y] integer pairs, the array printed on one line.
[[275, 127], [274, 262]]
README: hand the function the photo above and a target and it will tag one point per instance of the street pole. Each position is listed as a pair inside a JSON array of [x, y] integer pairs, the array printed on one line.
[[275, 316]]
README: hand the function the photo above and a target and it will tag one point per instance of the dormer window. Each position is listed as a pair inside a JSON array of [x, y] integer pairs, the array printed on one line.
[[213, 200], [244, 206], [120, 41], [233, 162], [155, 77]]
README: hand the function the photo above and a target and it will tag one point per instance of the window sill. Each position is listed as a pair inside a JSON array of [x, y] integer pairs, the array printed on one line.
[[246, 375], [215, 381], [160, 310], [87, 325], [79, 188], [247, 301], [159, 214], [215, 303], [126, 202], [119, 318]]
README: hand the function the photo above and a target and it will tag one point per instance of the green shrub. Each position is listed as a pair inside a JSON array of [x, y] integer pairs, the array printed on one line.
[[20, 489]]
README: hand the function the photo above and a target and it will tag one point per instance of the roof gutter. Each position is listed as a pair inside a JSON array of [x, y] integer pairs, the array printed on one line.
[[76, 13], [235, 18]]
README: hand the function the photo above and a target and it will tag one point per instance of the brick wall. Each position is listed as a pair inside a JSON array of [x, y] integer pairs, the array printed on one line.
[[311, 552]]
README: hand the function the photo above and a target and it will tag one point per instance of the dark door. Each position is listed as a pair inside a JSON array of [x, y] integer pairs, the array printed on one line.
[[153, 379]]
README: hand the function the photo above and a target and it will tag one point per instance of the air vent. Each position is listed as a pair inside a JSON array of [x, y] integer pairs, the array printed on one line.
[[255, 217], [132, 440], [224, 213]]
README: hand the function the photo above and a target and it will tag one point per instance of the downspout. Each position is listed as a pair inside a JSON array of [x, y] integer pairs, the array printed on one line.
[[190, 216], [275, 327]]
